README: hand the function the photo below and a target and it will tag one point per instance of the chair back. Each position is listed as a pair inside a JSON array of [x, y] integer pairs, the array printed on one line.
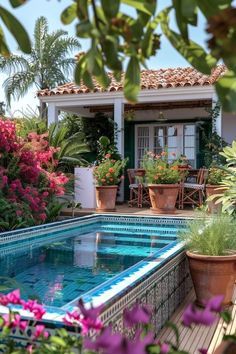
[[134, 173], [202, 176]]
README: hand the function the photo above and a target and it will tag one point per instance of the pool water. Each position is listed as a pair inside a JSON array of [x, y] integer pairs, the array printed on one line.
[[58, 270]]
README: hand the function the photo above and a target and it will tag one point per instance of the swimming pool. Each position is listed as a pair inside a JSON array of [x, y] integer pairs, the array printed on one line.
[[99, 258]]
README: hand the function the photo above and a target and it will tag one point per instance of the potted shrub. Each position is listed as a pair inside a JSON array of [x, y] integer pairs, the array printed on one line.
[[162, 177], [211, 251], [213, 188], [108, 175]]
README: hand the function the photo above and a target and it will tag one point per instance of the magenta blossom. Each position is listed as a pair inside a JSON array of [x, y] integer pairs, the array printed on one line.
[[193, 315], [72, 318], [35, 308], [40, 332], [165, 348], [14, 297], [138, 314], [88, 323], [107, 342], [215, 303], [14, 321], [91, 313], [202, 351]]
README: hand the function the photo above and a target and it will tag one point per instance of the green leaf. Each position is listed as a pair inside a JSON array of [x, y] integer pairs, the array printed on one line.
[[226, 316], [181, 21], [132, 80], [111, 53], [82, 9], [16, 29], [110, 8], [69, 14], [175, 330], [191, 51], [58, 341], [142, 6], [16, 3], [189, 11], [211, 7], [87, 79], [226, 90], [83, 29], [4, 50]]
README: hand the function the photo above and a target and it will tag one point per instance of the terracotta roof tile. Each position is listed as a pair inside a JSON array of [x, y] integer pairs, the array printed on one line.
[[150, 79]]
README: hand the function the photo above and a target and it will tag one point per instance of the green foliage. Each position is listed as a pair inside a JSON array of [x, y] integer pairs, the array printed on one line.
[[213, 143], [228, 196], [71, 148], [106, 148], [159, 170], [47, 66], [108, 172], [215, 176], [215, 236]]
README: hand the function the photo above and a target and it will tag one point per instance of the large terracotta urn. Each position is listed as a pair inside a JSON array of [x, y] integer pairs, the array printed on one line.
[[226, 347], [106, 198], [163, 198], [212, 275], [211, 190]]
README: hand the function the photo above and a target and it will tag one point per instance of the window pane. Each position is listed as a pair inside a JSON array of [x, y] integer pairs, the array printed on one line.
[[189, 153], [189, 129], [189, 141]]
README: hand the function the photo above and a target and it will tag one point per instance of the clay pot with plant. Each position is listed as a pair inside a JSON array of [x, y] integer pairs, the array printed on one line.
[[162, 177], [108, 175], [211, 251], [214, 188]]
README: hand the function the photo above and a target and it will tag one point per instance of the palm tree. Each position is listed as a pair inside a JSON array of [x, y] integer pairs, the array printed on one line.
[[47, 66]]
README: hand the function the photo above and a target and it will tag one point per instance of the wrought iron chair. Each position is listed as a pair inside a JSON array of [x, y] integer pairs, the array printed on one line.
[[135, 187], [194, 193]]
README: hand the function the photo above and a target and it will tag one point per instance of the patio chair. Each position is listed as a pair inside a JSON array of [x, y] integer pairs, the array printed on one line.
[[135, 187], [194, 193]]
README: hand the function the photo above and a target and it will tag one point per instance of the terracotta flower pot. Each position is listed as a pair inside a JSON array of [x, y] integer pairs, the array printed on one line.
[[212, 275], [106, 198], [226, 348], [163, 198], [213, 190]]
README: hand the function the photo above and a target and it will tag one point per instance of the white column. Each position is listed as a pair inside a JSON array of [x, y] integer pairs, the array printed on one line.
[[52, 113], [218, 121], [119, 121]]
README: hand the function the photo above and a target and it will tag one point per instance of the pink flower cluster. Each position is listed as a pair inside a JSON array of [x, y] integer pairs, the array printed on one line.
[[8, 140], [27, 177]]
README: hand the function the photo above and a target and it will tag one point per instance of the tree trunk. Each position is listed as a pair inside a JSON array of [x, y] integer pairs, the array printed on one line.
[[43, 111]]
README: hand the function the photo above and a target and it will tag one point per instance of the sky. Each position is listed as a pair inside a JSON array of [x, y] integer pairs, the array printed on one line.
[[27, 14]]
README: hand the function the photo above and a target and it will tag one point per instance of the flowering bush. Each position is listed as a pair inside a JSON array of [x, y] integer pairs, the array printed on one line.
[[28, 183], [109, 171], [215, 176], [82, 320], [159, 170]]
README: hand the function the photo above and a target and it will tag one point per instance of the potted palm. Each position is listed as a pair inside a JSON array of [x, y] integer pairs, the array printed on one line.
[[214, 188], [108, 174], [211, 251], [162, 177]]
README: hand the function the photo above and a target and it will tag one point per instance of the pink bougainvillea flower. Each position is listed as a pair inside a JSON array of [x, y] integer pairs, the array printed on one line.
[[215, 304], [14, 321], [164, 348], [72, 318], [35, 308], [92, 312], [107, 342], [138, 314], [4, 300], [14, 297], [40, 332], [194, 316], [203, 351], [88, 324]]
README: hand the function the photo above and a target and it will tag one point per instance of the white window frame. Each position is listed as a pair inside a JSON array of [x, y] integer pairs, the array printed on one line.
[[180, 127]]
